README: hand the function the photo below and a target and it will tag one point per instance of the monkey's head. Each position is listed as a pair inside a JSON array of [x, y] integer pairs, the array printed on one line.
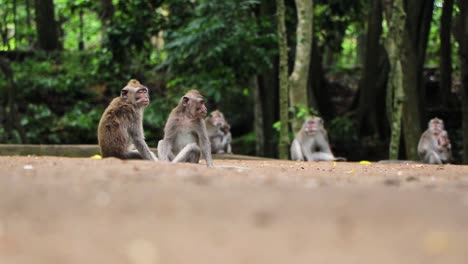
[[217, 119], [135, 93], [312, 125], [436, 126], [226, 128], [193, 104]]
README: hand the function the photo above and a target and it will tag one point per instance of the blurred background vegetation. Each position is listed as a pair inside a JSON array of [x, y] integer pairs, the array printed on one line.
[[63, 61]]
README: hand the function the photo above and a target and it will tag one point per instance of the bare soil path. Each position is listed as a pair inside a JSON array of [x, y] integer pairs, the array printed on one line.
[[81, 210]]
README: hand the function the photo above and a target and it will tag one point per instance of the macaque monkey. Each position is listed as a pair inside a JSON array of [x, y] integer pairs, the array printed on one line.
[[434, 145], [185, 135], [219, 133], [311, 142], [120, 131]]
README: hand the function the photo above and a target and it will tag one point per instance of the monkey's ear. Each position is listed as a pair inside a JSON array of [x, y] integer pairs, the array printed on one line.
[[185, 100], [124, 93]]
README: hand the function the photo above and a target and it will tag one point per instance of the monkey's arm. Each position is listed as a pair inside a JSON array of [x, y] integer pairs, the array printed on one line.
[[296, 151], [205, 144], [140, 144], [227, 142]]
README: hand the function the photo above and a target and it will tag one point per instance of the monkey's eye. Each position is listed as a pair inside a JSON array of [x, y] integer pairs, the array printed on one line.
[[202, 101], [142, 91]]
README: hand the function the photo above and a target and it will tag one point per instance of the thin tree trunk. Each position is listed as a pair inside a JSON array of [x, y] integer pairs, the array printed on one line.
[[15, 22], [106, 13], [395, 16], [319, 94], [258, 119], [283, 81], [28, 14], [462, 37], [46, 25], [367, 114], [446, 52], [299, 77], [12, 119], [415, 36]]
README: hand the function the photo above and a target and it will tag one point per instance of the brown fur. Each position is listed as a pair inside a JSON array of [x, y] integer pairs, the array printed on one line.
[[185, 135], [434, 145], [121, 125], [219, 133], [311, 142]]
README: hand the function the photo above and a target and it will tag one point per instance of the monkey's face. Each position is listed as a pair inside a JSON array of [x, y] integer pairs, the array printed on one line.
[[217, 119], [195, 106], [312, 125], [137, 96], [436, 126]]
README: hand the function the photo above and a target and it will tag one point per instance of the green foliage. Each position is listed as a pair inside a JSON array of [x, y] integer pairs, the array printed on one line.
[[219, 48]]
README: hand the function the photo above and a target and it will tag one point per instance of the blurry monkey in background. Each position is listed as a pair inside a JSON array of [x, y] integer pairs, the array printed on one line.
[[311, 142], [219, 133], [185, 135], [121, 126], [434, 145]]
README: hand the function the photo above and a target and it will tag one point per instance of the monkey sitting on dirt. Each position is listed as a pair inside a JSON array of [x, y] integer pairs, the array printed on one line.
[[311, 143], [219, 133], [185, 135], [434, 145], [121, 125]]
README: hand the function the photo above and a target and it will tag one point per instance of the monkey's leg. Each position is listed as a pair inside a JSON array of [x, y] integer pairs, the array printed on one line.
[[432, 158], [164, 151], [132, 154], [190, 153], [228, 149], [296, 151], [322, 156]]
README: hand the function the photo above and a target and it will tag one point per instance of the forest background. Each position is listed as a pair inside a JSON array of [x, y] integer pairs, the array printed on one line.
[[62, 62]]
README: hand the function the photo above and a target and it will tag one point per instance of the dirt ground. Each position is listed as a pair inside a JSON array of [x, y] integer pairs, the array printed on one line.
[[81, 210]]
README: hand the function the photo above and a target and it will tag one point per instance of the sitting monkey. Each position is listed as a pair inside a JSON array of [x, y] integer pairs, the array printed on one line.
[[185, 136], [434, 145], [311, 142], [121, 126], [219, 133]]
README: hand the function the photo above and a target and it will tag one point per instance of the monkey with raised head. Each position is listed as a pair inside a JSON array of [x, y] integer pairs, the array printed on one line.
[[311, 142], [185, 135], [434, 145], [219, 133], [121, 126]]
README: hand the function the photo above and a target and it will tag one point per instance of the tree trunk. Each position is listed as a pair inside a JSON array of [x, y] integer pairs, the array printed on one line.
[[15, 22], [462, 37], [367, 109], [415, 36], [319, 94], [11, 113], [258, 118], [446, 52], [106, 13], [266, 105], [46, 25], [300, 75], [268, 93], [283, 81], [28, 14], [395, 16]]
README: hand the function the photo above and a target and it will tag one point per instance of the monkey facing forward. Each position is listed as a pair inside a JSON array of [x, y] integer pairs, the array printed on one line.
[[434, 145], [219, 133], [185, 135], [311, 142], [121, 125]]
